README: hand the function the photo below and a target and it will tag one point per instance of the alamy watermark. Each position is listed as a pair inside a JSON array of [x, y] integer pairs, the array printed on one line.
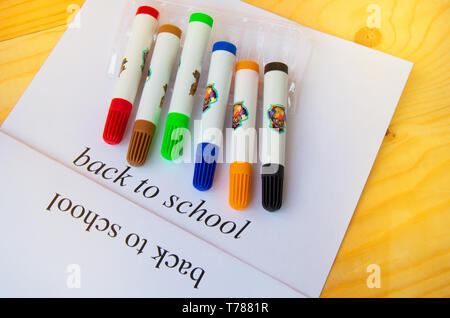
[[74, 276], [74, 19], [243, 144], [374, 279], [374, 19]]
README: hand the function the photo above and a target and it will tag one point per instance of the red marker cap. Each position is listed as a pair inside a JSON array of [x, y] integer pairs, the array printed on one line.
[[148, 10], [117, 120]]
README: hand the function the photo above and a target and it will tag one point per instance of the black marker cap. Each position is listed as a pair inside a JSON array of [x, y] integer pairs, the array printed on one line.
[[272, 186], [276, 66]]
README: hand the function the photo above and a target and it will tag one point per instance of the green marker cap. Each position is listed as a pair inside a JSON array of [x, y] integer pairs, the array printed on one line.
[[176, 127], [201, 17]]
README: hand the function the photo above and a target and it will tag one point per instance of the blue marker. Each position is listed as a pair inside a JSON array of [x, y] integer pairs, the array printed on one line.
[[213, 113]]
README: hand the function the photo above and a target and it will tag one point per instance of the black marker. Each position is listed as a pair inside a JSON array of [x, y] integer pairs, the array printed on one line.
[[274, 134]]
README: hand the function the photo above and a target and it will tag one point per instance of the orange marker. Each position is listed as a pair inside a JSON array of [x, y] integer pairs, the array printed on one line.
[[244, 133]]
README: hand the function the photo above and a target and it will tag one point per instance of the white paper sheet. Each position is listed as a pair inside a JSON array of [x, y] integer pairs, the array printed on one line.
[[90, 247], [348, 96]]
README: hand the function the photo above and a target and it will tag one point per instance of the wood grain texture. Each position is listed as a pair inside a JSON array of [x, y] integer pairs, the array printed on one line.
[[21, 17], [20, 60], [402, 222], [403, 218]]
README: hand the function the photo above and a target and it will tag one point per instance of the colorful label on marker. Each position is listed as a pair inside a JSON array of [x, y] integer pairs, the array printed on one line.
[[144, 57], [188, 75], [211, 96], [277, 118], [124, 65], [240, 114], [194, 85], [149, 74], [164, 96], [158, 76]]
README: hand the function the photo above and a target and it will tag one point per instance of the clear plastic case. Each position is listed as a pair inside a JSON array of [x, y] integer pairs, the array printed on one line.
[[261, 39]]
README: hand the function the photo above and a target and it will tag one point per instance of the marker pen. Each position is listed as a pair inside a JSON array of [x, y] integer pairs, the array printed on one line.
[[186, 83], [130, 75], [155, 89], [213, 116], [274, 134], [244, 133]]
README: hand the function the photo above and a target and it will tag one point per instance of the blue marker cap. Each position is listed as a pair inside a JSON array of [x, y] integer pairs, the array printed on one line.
[[225, 46], [205, 166]]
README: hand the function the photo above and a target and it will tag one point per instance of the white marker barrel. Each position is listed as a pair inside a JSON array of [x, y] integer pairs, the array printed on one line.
[[186, 83], [244, 133], [130, 75], [217, 91], [213, 113], [274, 134], [274, 114], [244, 111], [153, 95]]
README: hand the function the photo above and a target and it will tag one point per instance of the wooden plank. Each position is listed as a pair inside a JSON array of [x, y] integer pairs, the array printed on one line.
[[20, 60], [21, 17], [403, 218]]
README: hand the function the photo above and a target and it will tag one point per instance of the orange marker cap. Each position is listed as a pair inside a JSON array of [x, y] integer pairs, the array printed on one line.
[[247, 64], [240, 181]]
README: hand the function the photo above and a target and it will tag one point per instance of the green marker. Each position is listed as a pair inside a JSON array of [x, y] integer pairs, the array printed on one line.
[[186, 83]]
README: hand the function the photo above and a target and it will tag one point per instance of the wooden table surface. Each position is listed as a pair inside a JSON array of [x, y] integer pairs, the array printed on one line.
[[401, 226]]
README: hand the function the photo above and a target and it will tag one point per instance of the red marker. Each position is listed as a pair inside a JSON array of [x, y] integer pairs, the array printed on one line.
[[130, 75]]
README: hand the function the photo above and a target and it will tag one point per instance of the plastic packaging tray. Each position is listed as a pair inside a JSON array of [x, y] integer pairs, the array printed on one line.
[[261, 39]]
